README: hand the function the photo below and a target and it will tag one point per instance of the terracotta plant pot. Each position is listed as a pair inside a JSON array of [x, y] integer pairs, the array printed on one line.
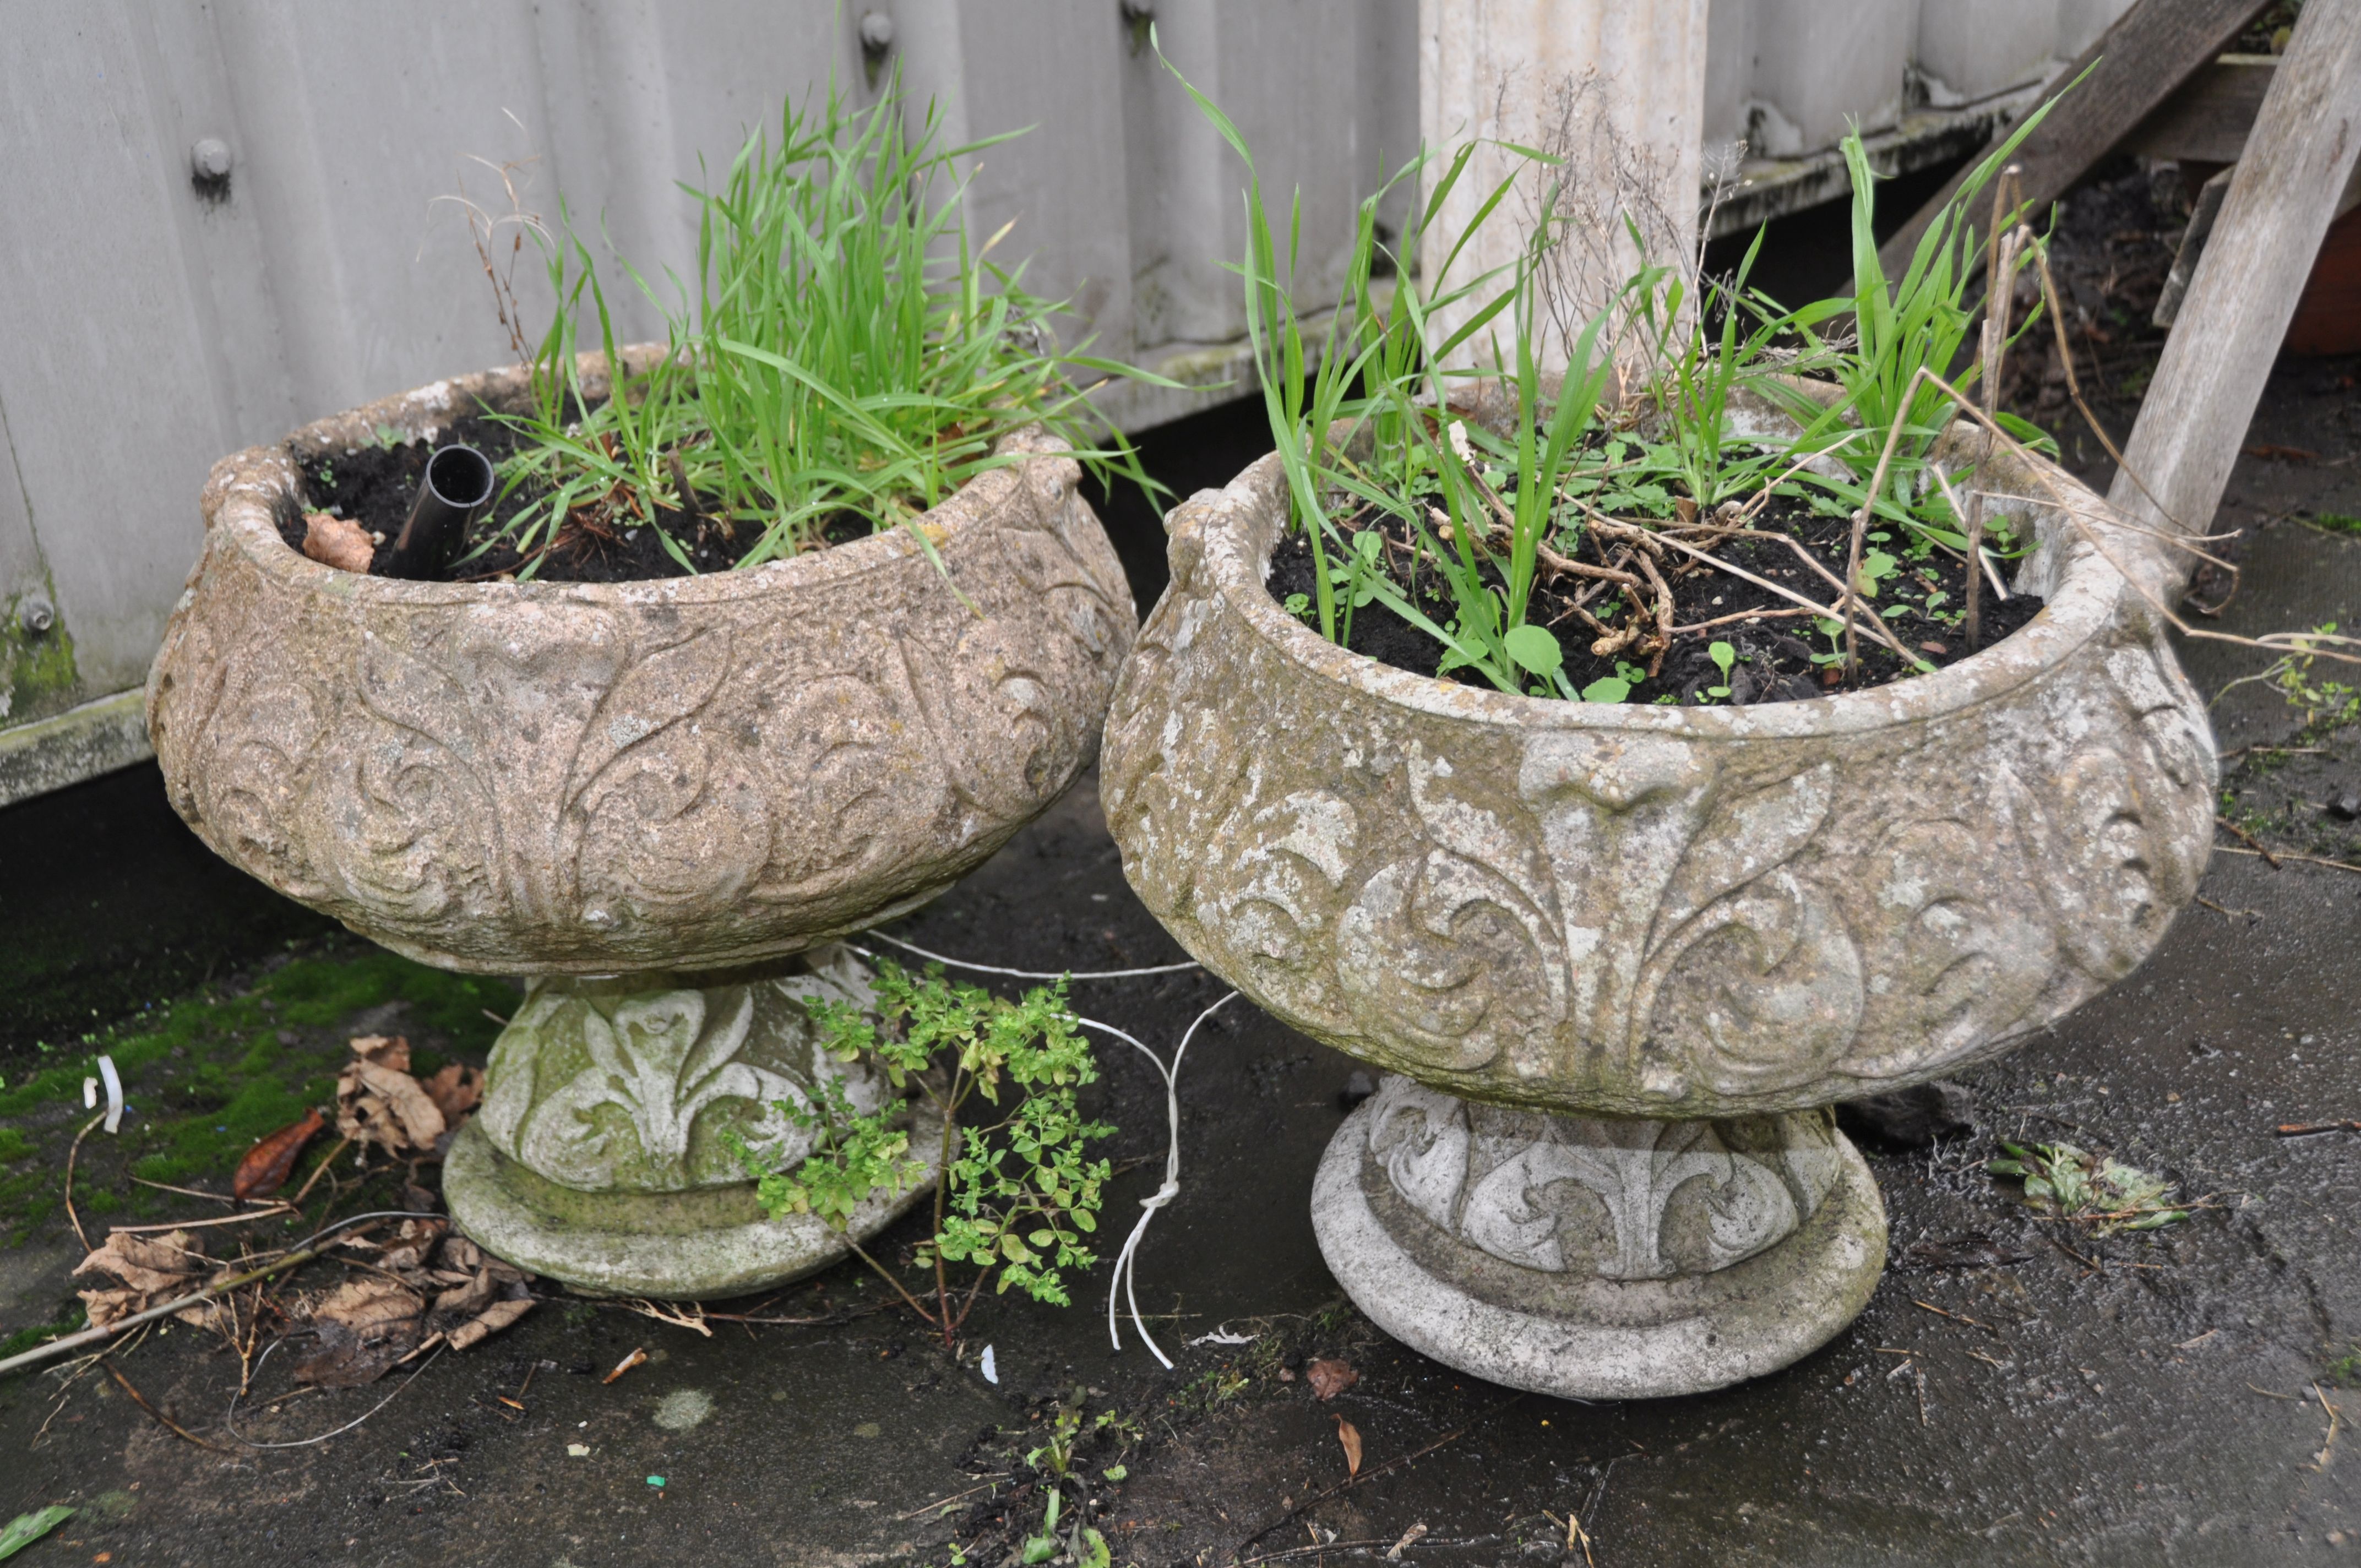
[[662, 779], [1622, 956]]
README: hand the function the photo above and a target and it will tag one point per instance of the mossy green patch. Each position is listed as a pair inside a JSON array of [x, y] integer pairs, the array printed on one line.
[[208, 1074], [72, 1321], [2336, 523], [38, 677]]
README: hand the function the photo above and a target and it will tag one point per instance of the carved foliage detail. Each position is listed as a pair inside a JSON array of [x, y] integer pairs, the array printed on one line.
[[603, 1089], [1619, 1200], [502, 776], [1648, 921]]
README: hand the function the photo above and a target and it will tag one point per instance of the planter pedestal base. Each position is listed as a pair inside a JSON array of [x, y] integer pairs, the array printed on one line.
[[1597, 1257], [713, 1241], [606, 1150]]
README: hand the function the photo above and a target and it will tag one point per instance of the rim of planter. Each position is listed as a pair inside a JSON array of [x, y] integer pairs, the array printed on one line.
[[247, 489]]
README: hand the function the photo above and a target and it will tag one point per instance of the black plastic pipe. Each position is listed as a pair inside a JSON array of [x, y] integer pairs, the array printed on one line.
[[458, 487]]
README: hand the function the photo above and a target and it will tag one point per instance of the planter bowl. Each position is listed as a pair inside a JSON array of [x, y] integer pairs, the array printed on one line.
[[1620, 958], [684, 773], [1667, 912], [658, 798]]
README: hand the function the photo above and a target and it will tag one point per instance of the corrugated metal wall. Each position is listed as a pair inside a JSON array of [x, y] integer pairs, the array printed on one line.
[[151, 321]]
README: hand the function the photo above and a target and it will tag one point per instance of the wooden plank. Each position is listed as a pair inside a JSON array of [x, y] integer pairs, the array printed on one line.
[[2202, 396], [2151, 50], [2206, 118]]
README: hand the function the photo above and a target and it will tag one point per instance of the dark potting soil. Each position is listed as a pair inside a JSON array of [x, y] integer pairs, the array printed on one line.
[[1775, 646], [375, 486]]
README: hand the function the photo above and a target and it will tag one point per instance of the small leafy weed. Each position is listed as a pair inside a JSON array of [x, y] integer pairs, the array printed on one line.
[[2100, 1190]]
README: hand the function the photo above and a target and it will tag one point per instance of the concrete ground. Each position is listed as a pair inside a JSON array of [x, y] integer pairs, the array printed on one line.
[[2017, 1392]]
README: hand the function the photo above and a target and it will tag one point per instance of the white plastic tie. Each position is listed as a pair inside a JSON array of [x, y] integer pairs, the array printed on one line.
[[1126, 1275], [1026, 973], [114, 1092]]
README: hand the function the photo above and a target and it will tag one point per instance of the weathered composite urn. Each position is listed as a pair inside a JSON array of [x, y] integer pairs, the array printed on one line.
[[660, 801], [1618, 960]]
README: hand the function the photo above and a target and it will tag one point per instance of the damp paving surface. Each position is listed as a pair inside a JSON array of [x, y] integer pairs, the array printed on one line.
[[2161, 1398]]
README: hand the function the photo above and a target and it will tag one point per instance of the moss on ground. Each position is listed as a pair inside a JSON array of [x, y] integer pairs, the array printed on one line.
[[207, 1074]]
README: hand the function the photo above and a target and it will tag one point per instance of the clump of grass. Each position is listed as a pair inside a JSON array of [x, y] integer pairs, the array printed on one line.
[[1645, 470], [849, 357]]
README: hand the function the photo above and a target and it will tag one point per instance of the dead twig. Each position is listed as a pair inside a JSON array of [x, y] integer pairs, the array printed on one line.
[[274, 1211], [183, 1191], [2248, 839], [1956, 1317], [2309, 1129], [2286, 855], [75, 1219], [321, 1169], [166, 1422]]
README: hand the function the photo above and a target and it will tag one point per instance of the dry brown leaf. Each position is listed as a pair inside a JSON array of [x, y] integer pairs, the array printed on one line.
[[165, 1265], [367, 1302], [1329, 1377], [456, 1089], [489, 1321], [1349, 1438], [386, 1050], [266, 1165], [421, 1123], [335, 542], [155, 1270]]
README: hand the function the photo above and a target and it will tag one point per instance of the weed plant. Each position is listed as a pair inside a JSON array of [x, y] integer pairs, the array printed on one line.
[[849, 356], [1016, 1198], [1370, 426]]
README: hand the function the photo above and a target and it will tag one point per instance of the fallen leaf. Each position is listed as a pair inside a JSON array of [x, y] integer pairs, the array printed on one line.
[[367, 1303], [422, 1120], [336, 542], [378, 1101], [1973, 1250], [26, 1528], [1348, 1437], [491, 1321], [456, 1089], [639, 1353], [386, 1050], [266, 1166], [154, 1270], [412, 1245], [1329, 1378], [366, 1326]]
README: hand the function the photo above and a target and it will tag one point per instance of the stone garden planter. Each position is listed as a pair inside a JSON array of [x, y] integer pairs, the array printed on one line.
[[660, 800], [1618, 960]]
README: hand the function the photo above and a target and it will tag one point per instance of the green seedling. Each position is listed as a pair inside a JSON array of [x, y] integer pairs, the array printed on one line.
[[1725, 659], [2102, 1191], [1017, 1197]]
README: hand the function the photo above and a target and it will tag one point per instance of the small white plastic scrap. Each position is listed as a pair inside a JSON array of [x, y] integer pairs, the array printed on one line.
[[90, 1094], [577, 1450], [1222, 1336], [114, 1092], [991, 1372]]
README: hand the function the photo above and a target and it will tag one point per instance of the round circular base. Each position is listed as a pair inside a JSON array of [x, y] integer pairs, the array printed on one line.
[[711, 1241], [1582, 1336]]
